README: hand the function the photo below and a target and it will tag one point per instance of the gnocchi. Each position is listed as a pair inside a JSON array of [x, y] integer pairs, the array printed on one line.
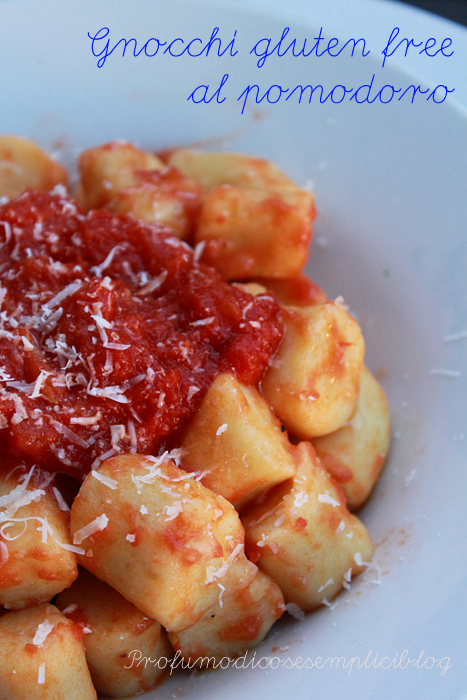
[[210, 406]]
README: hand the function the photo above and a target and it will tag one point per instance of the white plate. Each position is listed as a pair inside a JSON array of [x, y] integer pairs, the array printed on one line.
[[390, 183]]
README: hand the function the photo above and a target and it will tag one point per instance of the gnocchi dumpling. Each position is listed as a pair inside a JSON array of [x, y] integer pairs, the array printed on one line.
[[35, 558], [313, 382], [159, 537], [127, 180], [355, 454], [42, 657], [237, 442], [114, 630], [303, 536], [254, 220], [238, 622], [23, 165]]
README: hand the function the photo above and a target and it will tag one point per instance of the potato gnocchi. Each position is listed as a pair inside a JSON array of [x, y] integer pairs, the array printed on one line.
[[192, 533]]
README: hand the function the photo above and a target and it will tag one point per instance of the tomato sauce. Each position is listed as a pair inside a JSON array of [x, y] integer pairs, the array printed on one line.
[[111, 331]]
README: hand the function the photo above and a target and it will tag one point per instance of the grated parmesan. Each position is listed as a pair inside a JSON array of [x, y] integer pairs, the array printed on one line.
[[86, 420], [91, 528], [198, 251], [154, 284], [106, 480], [300, 499], [203, 321], [340, 302], [340, 527], [62, 504], [326, 498], [115, 393], [69, 434], [213, 573], [329, 582], [42, 632], [221, 603], [97, 269], [448, 338], [4, 555], [173, 511], [295, 611], [69, 609], [191, 392], [445, 373], [41, 674]]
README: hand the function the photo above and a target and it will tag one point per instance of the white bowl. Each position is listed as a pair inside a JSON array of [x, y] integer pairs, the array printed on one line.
[[390, 183]]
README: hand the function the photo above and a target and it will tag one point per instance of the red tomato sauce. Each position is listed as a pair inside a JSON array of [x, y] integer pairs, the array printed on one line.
[[111, 332]]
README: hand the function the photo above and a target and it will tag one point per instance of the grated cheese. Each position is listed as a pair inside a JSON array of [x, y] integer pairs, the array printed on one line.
[[173, 511], [408, 479], [69, 434], [24, 500], [97, 269], [448, 338], [91, 528], [69, 609], [213, 573], [21, 412], [203, 321], [130, 538], [114, 393], [106, 480], [100, 458], [86, 420], [326, 498], [42, 632], [300, 499], [60, 500], [198, 251], [7, 227], [192, 391], [340, 527], [41, 674], [340, 302], [117, 433], [329, 582], [28, 346], [279, 520], [132, 435], [221, 429], [445, 373], [116, 346], [295, 611], [4, 555], [264, 516], [221, 603], [63, 294], [154, 284]]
